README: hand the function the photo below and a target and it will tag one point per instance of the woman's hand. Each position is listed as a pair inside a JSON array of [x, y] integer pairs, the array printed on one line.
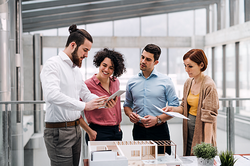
[[111, 103], [168, 109], [120, 127], [173, 109]]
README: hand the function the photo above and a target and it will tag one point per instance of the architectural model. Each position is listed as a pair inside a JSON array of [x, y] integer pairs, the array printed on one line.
[[120, 152]]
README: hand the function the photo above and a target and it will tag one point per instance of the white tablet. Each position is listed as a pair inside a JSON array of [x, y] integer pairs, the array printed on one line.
[[117, 93]]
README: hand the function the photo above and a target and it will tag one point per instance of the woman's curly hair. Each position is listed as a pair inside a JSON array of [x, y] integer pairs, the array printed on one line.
[[115, 57]]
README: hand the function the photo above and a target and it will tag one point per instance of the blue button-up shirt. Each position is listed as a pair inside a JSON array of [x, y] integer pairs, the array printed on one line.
[[142, 93]]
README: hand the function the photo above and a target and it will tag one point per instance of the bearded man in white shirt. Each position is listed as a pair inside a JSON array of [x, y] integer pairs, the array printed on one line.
[[63, 86]]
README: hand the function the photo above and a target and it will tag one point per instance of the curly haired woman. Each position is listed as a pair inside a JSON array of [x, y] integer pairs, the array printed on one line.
[[104, 123]]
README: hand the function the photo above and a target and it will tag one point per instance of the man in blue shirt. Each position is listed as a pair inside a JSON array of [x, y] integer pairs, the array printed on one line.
[[145, 90]]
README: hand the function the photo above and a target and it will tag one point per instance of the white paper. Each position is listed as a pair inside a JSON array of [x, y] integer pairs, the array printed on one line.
[[173, 114], [246, 157], [192, 161], [189, 160], [140, 117], [241, 161], [167, 160]]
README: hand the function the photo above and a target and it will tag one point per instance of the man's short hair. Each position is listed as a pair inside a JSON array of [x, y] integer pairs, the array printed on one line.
[[153, 49]]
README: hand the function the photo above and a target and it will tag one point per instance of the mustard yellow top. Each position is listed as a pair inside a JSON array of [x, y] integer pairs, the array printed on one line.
[[193, 101]]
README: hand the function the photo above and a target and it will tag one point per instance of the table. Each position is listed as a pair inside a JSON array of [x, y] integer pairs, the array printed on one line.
[[244, 159], [130, 163]]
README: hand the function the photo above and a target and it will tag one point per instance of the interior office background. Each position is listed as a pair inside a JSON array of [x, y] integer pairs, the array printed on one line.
[[228, 61], [223, 35]]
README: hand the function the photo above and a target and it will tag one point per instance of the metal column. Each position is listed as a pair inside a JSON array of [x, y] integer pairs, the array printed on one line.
[[37, 58], [230, 127], [11, 149], [5, 90], [17, 158], [246, 10]]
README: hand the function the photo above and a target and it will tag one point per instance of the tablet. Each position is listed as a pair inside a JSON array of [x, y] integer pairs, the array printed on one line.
[[117, 93]]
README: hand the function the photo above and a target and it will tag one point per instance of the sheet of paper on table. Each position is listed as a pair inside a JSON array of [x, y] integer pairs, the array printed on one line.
[[169, 160], [192, 161], [173, 114], [241, 161], [247, 157]]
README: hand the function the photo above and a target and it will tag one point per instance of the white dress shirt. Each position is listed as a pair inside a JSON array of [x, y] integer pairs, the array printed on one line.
[[63, 86]]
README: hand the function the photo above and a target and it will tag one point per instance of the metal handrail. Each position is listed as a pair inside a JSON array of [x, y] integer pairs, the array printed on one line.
[[42, 101], [23, 102], [237, 99]]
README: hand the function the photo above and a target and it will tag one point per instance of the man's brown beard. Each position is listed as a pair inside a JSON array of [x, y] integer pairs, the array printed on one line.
[[76, 60]]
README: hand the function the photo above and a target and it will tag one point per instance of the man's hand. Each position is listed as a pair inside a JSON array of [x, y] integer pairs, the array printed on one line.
[[111, 103], [96, 103], [149, 121], [92, 135], [134, 117]]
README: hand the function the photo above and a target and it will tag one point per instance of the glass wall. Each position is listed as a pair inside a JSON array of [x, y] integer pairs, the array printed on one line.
[[218, 70], [176, 68], [87, 66], [155, 25], [132, 62], [127, 27], [100, 29], [230, 71], [244, 76], [200, 22], [227, 13], [208, 52], [162, 65], [244, 69], [47, 53], [181, 23], [241, 11]]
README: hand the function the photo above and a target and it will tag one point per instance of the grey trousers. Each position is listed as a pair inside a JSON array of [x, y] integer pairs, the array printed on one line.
[[63, 145], [191, 127]]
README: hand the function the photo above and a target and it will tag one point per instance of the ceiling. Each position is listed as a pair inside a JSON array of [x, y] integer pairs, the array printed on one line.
[[48, 14]]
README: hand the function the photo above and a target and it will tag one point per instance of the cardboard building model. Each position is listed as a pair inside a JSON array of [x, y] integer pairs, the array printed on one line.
[[119, 152]]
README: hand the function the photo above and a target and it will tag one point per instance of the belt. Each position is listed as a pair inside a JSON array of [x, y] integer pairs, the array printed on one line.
[[142, 125], [62, 124]]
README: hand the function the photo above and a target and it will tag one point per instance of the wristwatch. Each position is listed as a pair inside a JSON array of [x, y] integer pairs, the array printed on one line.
[[158, 120]]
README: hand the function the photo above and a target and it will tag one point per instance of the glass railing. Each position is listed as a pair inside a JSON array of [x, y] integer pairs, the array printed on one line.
[[233, 125], [19, 121], [24, 120]]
